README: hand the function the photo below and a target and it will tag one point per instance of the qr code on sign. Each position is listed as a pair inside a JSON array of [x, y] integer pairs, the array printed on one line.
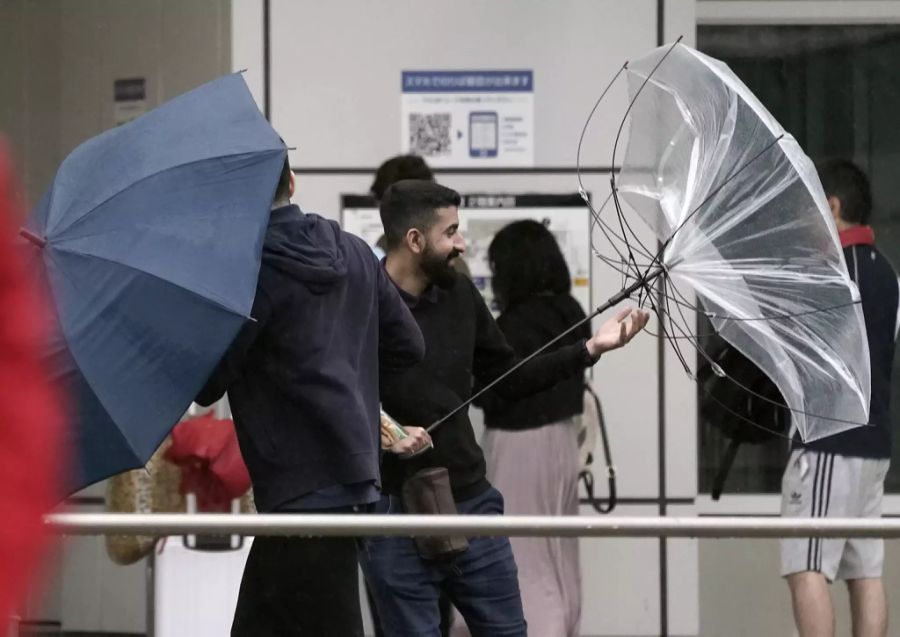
[[429, 134]]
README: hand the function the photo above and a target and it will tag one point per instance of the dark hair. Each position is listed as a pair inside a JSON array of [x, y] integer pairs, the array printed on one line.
[[284, 182], [397, 169], [526, 261], [411, 203], [843, 179]]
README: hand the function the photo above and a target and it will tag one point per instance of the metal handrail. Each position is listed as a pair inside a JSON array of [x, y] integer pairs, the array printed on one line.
[[471, 525]]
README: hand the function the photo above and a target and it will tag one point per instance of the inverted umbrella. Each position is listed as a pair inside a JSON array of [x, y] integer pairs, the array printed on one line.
[[149, 243], [745, 224], [743, 221]]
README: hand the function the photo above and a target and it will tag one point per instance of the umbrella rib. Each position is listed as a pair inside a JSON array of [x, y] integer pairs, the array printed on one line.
[[612, 178], [709, 394], [609, 233], [112, 196], [744, 319], [808, 414], [671, 338], [87, 380], [211, 301], [676, 326], [594, 213]]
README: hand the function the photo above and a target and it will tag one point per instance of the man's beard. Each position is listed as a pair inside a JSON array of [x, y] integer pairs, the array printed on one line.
[[438, 269]]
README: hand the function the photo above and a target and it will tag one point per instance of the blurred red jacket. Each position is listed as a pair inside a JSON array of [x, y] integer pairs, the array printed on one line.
[[30, 418]]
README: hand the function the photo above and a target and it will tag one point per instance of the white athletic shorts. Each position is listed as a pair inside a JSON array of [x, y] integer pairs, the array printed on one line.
[[827, 485]]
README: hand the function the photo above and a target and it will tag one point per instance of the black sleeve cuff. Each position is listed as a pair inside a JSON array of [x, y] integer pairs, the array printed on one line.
[[586, 358]]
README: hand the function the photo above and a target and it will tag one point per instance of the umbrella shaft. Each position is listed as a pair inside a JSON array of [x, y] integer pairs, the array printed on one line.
[[614, 300], [625, 293]]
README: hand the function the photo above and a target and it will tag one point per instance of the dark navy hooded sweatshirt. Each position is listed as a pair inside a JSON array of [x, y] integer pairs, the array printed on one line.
[[303, 377], [880, 293]]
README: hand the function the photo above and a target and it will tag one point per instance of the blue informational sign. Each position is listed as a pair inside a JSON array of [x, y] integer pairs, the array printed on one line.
[[469, 118], [468, 81]]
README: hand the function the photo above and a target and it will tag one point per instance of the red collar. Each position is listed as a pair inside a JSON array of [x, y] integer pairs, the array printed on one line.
[[856, 236]]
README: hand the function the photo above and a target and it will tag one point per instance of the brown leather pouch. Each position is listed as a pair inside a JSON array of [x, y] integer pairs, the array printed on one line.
[[427, 492]]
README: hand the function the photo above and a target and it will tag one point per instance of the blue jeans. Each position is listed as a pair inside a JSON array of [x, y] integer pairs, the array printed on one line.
[[482, 583]]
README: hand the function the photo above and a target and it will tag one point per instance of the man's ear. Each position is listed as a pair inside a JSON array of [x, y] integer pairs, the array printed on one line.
[[292, 184], [835, 204], [415, 241]]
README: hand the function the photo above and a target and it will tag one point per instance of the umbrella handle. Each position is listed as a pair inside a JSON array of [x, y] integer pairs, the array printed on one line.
[[401, 434], [33, 238], [413, 454]]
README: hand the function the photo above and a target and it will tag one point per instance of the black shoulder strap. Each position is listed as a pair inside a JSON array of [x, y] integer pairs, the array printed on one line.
[[722, 473], [587, 477]]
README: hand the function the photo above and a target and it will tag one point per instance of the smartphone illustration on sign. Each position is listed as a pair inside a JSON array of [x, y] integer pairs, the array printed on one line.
[[483, 134]]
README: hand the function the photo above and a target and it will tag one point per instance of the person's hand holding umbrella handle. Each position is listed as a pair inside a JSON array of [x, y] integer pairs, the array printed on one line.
[[404, 441]]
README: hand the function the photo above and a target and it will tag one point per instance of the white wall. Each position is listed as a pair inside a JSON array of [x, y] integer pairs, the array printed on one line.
[[174, 45], [30, 89], [336, 75]]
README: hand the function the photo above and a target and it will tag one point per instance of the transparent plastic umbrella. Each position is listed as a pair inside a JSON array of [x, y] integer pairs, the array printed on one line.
[[744, 223]]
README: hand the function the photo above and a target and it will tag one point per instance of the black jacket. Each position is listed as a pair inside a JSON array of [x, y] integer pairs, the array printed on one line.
[[464, 345], [527, 326], [303, 377]]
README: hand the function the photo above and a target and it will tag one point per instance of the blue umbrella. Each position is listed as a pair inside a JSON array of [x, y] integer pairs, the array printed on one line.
[[149, 243]]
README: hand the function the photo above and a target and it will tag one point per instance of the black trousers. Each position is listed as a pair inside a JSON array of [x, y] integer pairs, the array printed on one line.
[[305, 587]]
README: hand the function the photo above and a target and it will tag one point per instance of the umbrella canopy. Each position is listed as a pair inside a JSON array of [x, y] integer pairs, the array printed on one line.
[[746, 225], [149, 242]]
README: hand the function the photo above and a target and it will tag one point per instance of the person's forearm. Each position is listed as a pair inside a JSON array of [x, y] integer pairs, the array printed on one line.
[[541, 372]]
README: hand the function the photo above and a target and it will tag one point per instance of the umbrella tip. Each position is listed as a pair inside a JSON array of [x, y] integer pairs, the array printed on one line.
[[33, 238]]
